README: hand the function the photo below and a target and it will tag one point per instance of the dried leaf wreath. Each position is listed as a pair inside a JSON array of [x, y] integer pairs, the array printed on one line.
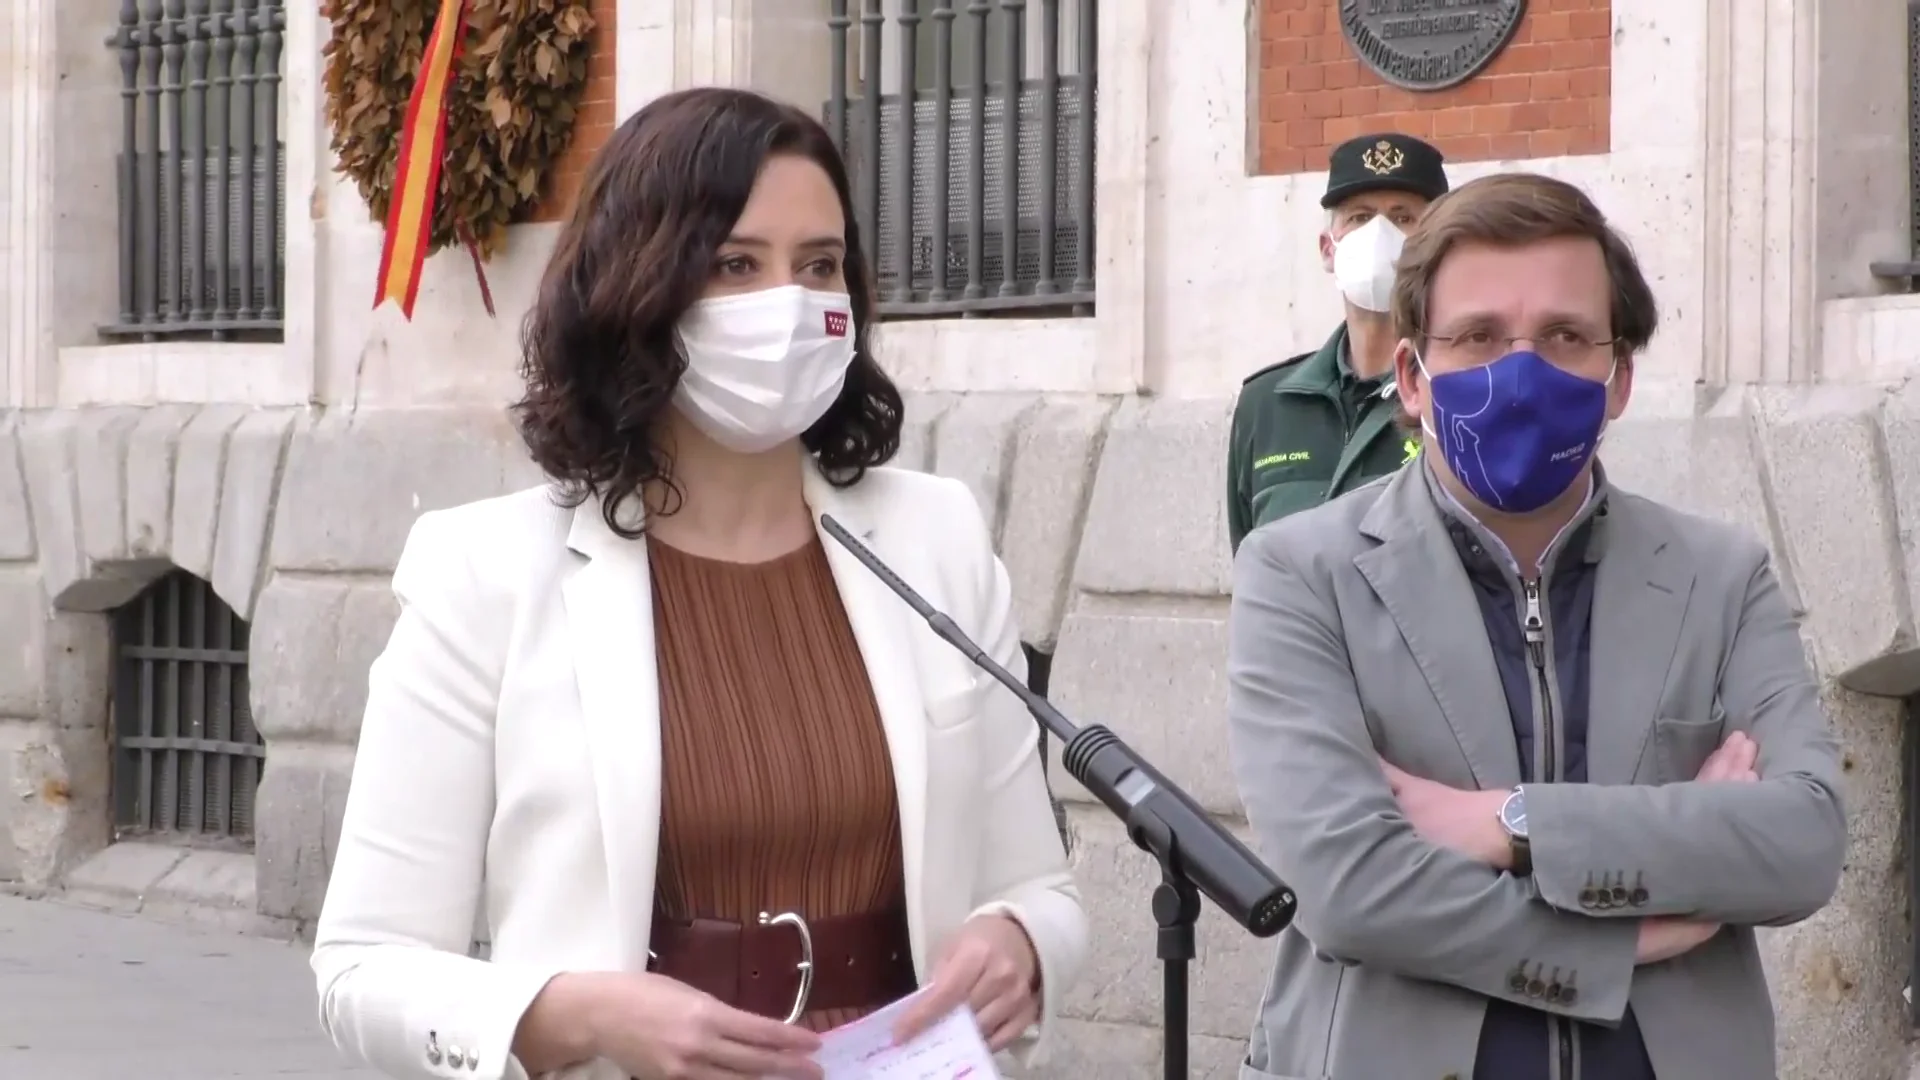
[[516, 87]]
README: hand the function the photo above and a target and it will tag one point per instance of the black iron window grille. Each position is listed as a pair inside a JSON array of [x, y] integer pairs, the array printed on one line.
[[202, 174], [973, 176], [186, 756]]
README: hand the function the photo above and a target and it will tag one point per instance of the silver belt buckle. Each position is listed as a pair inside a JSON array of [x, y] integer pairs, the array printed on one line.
[[805, 967]]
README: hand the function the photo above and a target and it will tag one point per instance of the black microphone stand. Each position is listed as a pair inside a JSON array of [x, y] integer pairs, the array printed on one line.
[[1175, 905], [1132, 789], [1176, 908], [1176, 912]]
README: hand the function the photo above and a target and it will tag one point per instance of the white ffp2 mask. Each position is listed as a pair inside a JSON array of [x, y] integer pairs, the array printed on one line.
[[1363, 264], [762, 367]]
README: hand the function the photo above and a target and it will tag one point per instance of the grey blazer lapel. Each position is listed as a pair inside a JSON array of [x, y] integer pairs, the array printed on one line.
[[1640, 599], [1417, 575]]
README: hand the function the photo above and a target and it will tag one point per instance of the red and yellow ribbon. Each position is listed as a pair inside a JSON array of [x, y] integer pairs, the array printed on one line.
[[416, 179]]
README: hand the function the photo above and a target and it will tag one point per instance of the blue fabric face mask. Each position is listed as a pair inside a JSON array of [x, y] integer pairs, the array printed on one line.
[[1517, 431]]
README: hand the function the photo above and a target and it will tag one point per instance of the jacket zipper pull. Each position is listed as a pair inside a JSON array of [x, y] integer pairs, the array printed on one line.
[[1535, 626]]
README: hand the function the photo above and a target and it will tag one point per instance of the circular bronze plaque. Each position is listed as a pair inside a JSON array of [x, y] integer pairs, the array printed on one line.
[[1429, 44]]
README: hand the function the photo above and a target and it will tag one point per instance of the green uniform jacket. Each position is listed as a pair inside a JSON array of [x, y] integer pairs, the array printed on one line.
[[1304, 431]]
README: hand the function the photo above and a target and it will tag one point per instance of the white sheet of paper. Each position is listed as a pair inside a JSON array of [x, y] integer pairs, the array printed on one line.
[[949, 1050]]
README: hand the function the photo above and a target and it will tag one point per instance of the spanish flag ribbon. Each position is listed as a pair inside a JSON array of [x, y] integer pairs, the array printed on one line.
[[416, 178]]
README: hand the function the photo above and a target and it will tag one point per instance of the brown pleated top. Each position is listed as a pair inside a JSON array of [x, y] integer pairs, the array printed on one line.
[[777, 788]]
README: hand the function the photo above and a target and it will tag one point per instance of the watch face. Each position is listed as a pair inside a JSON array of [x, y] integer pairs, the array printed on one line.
[[1513, 814]]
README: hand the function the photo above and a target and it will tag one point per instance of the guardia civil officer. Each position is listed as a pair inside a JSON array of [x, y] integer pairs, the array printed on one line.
[[1320, 424]]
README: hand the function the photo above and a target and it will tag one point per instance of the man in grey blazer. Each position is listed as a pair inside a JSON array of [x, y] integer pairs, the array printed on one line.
[[1537, 754]]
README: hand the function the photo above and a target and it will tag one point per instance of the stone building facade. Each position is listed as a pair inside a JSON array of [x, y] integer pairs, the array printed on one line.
[[286, 474]]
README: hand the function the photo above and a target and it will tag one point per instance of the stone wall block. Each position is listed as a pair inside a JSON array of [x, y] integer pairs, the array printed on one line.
[[46, 454], [78, 671], [199, 474], [1160, 683], [100, 482], [16, 515], [1121, 982], [1691, 447], [297, 828], [1053, 462], [924, 411], [24, 612], [153, 448], [310, 645], [1706, 461], [1708, 464], [1837, 977], [1648, 457], [974, 444], [1157, 520], [1726, 467], [120, 878], [1645, 450], [55, 666], [77, 464], [1900, 426], [52, 814], [355, 482], [1832, 496], [212, 888], [255, 451]]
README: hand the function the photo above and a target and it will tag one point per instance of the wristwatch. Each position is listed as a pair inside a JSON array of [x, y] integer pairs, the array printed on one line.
[[1513, 818]]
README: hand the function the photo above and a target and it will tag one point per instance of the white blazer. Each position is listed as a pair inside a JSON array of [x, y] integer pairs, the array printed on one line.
[[509, 767]]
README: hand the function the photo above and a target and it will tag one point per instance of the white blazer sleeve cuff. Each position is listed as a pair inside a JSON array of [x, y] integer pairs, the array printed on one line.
[[423, 1014], [1053, 922]]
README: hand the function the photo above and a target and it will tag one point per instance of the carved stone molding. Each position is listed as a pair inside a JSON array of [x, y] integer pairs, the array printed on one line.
[[28, 78]]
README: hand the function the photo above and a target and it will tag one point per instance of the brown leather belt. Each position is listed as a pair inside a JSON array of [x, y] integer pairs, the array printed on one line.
[[858, 961]]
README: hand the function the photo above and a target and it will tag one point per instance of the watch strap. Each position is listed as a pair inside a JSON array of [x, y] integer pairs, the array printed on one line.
[[1519, 849]]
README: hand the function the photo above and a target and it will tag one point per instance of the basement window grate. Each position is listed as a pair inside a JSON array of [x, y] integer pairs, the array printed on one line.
[[186, 756]]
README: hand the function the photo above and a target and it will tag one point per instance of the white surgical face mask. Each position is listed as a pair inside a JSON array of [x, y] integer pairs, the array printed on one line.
[[1363, 263], [762, 367]]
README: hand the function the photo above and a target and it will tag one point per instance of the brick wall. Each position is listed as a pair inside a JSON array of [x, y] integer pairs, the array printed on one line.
[[1547, 94], [595, 121]]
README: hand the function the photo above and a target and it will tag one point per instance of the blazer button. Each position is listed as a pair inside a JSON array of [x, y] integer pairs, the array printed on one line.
[[1567, 994], [1517, 982], [1619, 896], [456, 1057], [433, 1048], [1603, 896]]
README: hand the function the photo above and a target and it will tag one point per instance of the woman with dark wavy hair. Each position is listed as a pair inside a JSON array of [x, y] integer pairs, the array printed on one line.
[[704, 785]]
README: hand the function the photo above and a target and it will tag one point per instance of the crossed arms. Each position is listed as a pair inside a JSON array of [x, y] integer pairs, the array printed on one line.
[[1375, 891]]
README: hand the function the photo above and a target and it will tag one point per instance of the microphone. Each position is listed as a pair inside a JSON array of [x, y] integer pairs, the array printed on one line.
[[1161, 819]]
